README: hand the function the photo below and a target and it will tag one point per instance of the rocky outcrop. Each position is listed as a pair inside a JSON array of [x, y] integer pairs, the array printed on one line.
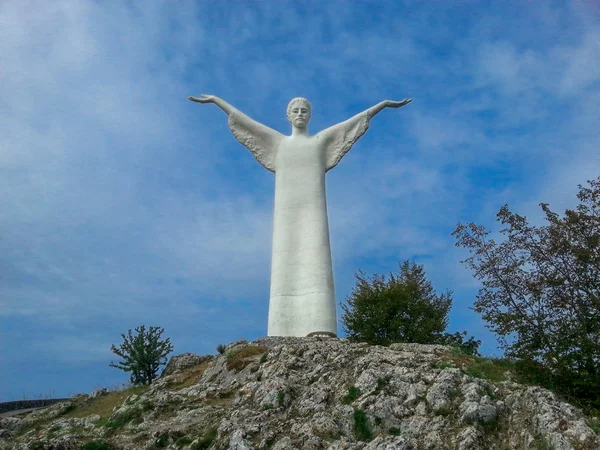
[[314, 393], [183, 361]]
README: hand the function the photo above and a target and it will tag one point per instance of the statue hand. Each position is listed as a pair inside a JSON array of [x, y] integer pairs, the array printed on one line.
[[203, 99], [393, 104]]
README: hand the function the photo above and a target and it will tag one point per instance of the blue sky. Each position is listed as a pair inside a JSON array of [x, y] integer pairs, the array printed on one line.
[[122, 203]]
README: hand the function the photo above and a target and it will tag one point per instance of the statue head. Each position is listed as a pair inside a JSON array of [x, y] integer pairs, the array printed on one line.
[[299, 112]]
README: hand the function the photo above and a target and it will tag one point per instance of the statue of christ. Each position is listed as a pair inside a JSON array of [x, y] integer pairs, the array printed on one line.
[[302, 298]]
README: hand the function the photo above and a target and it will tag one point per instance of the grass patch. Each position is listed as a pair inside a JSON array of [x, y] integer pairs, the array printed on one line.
[[225, 394], [147, 405], [441, 365], [490, 427], [577, 390], [239, 359], [183, 440], [492, 369], [104, 405], [353, 394], [97, 445], [205, 441], [219, 401], [187, 377], [37, 445], [280, 398], [541, 443], [362, 428], [68, 409], [445, 410], [594, 423], [488, 369], [133, 415]]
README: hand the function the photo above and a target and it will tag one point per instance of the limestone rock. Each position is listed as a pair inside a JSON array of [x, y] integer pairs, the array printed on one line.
[[10, 423], [313, 393], [183, 361], [99, 393]]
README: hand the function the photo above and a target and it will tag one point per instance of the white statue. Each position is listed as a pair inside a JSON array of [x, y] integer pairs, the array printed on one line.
[[302, 299]]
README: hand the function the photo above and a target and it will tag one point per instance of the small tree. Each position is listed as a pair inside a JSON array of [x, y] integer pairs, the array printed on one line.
[[143, 354], [403, 309], [541, 289]]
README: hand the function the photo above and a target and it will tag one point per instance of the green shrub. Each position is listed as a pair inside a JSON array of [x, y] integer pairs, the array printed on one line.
[[97, 445], [361, 426], [353, 394], [445, 410], [67, 409], [37, 445], [394, 431], [403, 308], [162, 441], [147, 405], [280, 398], [221, 348], [183, 440], [490, 426]]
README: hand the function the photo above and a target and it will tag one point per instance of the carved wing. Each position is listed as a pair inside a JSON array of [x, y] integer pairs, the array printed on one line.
[[339, 139], [261, 140]]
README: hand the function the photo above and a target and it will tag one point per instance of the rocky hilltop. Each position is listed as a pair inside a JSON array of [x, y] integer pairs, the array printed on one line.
[[313, 393]]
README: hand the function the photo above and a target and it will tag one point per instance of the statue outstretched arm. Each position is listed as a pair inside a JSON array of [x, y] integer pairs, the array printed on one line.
[[373, 110], [213, 99], [261, 140], [338, 139]]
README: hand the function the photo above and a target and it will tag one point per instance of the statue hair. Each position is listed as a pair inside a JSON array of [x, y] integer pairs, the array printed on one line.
[[300, 100]]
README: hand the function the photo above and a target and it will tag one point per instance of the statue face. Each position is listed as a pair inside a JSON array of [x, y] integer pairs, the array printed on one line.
[[299, 115]]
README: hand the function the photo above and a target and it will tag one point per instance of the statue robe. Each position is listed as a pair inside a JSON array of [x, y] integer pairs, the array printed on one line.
[[302, 298]]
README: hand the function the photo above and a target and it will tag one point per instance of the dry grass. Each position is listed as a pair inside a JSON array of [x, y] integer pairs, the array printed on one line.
[[219, 401], [104, 405], [491, 369], [239, 359], [187, 378]]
